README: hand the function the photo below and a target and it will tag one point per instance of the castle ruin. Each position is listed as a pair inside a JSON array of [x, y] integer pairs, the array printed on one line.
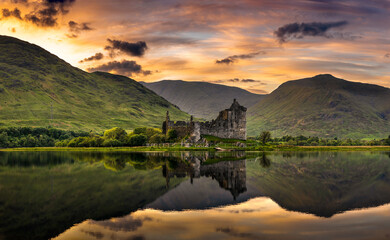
[[230, 123]]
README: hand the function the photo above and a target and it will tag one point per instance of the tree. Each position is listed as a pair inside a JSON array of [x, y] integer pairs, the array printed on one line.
[[111, 142], [172, 134], [140, 130], [388, 141], [157, 138], [4, 140], [265, 137], [151, 132], [137, 140], [116, 133]]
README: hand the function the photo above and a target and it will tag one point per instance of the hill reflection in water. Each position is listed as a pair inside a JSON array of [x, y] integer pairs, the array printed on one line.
[[258, 218], [274, 193]]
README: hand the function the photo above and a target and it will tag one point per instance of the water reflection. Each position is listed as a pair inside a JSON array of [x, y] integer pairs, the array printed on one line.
[[231, 175], [258, 218], [45, 193]]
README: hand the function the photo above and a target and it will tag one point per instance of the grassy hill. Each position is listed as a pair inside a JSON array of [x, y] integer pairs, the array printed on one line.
[[36, 86], [323, 106], [202, 99]]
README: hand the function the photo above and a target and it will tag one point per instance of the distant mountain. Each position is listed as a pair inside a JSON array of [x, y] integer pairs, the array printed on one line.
[[202, 99], [37, 86], [323, 106]]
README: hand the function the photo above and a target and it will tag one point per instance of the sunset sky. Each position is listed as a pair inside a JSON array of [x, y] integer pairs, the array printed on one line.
[[253, 44]]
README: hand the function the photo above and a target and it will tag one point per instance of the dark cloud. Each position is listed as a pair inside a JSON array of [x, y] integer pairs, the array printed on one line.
[[46, 15], [250, 80], [124, 67], [245, 80], [72, 35], [237, 80], [97, 56], [225, 61], [19, 1], [11, 13], [232, 232], [44, 18], [233, 80], [234, 58], [97, 235], [75, 28], [136, 49], [125, 224], [300, 30], [61, 5], [78, 27]]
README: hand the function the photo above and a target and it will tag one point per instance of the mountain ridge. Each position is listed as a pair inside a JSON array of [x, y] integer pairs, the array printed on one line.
[[202, 99], [324, 106]]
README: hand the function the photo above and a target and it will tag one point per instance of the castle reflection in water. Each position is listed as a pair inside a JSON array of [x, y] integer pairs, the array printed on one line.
[[231, 175]]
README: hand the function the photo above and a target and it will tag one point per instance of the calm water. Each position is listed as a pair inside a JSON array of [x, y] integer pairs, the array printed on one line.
[[92, 195]]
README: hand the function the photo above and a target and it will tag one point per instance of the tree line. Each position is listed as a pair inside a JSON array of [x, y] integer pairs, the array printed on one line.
[[265, 138], [118, 137], [13, 137], [35, 137]]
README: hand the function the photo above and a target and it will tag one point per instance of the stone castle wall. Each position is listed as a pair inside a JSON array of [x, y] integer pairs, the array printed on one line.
[[230, 123]]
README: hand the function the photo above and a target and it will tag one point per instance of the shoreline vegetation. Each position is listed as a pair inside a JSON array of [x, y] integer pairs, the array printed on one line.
[[152, 139], [174, 149]]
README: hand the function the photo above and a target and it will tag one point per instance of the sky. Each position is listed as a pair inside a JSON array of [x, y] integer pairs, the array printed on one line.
[[253, 44]]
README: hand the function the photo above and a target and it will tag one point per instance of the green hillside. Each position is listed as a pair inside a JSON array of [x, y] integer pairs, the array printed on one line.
[[32, 80], [323, 106], [202, 99]]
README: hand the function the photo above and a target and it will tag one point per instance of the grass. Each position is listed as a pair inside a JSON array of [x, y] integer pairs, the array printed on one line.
[[222, 140], [37, 89], [323, 106]]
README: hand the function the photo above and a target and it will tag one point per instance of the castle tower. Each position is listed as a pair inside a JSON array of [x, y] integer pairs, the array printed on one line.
[[165, 125], [237, 121]]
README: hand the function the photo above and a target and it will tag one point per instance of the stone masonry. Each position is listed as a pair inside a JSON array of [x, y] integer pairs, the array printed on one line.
[[230, 123]]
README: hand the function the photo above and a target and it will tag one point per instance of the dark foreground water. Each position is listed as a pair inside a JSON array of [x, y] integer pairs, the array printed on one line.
[[91, 195]]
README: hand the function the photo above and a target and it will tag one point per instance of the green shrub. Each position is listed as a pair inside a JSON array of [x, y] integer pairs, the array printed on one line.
[[172, 135], [140, 130], [116, 133], [4, 140], [62, 143], [137, 140], [112, 143], [79, 142], [157, 138], [152, 131]]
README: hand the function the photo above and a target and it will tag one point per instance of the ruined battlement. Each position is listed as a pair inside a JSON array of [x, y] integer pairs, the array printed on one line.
[[230, 123]]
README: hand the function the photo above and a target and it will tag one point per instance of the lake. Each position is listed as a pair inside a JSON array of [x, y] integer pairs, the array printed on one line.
[[198, 195]]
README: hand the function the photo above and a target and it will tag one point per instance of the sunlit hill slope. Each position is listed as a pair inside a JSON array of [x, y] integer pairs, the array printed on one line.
[[38, 89]]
